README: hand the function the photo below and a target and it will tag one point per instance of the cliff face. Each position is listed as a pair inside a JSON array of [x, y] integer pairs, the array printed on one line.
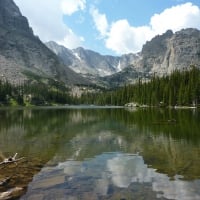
[[160, 56], [168, 52], [21, 51], [11, 17], [90, 62], [184, 49]]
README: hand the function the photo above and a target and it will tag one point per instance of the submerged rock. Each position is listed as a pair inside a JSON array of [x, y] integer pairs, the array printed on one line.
[[12, 193]]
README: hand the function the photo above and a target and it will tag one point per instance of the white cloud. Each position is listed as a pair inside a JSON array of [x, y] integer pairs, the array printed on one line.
[[176, 18], [71, 40], [70, 6], [100, 21], [46, 19], [124, 38]]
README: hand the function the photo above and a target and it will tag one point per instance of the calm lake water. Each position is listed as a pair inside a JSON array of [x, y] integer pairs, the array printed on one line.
[[101, 153]]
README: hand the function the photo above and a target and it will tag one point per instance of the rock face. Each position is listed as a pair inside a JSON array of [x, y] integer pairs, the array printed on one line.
[[89, 62], [184, 49], [167, 52], [12, 19], [162, 55], [22, 52]]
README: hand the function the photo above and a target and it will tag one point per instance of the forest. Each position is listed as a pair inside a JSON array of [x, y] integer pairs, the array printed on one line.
[[180, 88], [37, 93]]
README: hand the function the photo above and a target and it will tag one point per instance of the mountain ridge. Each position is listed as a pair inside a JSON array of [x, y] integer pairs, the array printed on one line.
[[87, 61], [22, 51], [161, 55]]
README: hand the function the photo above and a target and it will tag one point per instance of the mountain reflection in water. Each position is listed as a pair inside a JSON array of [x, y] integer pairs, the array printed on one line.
[[66, 151]]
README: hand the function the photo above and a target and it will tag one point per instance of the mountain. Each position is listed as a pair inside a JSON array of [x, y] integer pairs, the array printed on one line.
[[23, 55], [162, 55], [129, 75], [171, 51], [89, 62]]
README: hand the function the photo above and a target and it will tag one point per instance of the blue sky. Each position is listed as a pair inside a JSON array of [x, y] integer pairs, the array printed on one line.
[[112, 27]]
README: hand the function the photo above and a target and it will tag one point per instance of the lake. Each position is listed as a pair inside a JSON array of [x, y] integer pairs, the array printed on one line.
[[101, 153]]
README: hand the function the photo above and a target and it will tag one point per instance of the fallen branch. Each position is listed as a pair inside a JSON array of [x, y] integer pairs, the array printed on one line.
[[10, 160]]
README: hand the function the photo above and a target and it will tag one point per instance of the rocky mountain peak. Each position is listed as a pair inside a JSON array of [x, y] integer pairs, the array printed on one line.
[[11, 17], [161, 55], [158, 44], [170, 51], [86, 61], [188, 32], [9, 8], [56, 48], [23, 56]]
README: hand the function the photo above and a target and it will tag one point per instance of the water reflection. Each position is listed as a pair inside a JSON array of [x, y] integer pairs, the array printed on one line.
[[109, 170], [73, 145]]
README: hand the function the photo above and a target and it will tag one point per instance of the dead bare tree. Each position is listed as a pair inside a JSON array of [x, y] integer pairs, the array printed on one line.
[[10, 159]]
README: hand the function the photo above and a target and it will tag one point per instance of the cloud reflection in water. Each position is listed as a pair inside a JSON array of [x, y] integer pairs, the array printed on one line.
[[117, 169]]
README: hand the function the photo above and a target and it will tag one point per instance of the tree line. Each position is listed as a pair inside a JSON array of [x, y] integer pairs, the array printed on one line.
[[36, 93], [181, 88]]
